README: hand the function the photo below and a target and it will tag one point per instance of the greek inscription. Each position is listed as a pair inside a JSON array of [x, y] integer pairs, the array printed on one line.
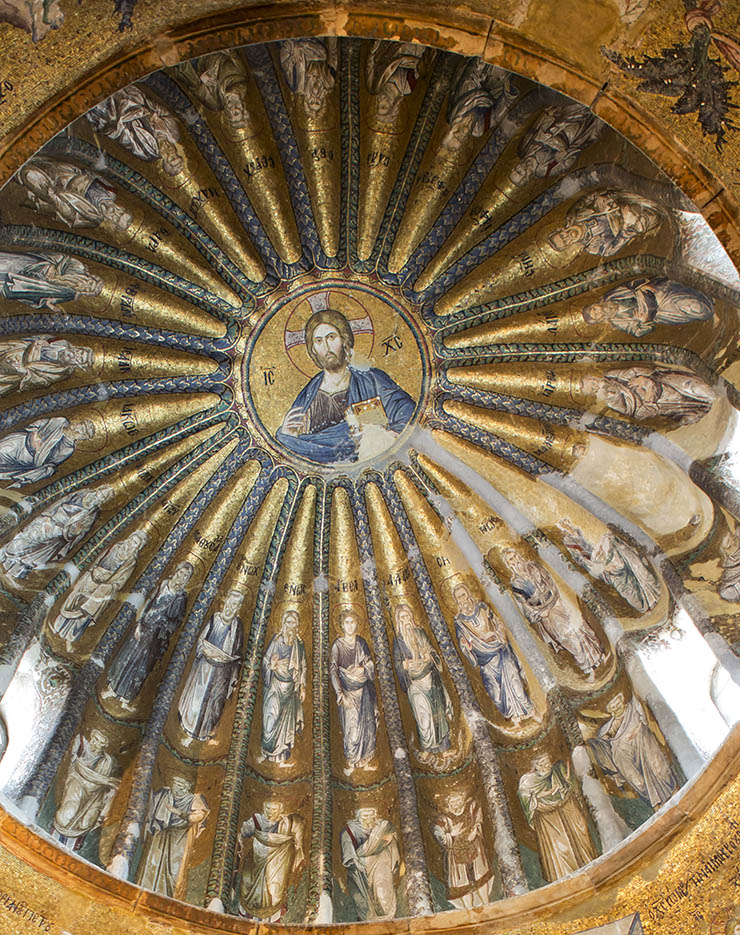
[[210, 545], [127, 300], [345, 587], [320, 153], [5, 88], [527, 264], [128, 417], [550, 383], [248, 569], [155, 239], [433, 181], [268, 375], [254, 166], [398, 577], [442, 561], [489, 524], [169, 508], [547, 443], [125, 356], [391, 344], [203, 195], [378, 158], [294, 590], [24, 911]]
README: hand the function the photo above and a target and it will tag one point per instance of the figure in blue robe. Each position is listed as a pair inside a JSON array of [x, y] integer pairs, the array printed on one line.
[[33, 453], [328, 437], [284, 677], [484, 644], [323, 423], [352, 673]]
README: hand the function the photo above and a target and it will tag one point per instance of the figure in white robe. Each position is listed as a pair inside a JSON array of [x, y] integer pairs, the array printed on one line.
[[480, 97], [352, 674], [551, 806], [628, 751], [419, 671], [554, 142], [616, 563], [177, 817], [604, 222], [45, 280], [34, 452], [27, 363], [141, 125], [271, 863], [212, 678], [653, 391], [392, 71], [370, 853], [284, 691], [639, 306], [539, 598], [87, 792], [97, 587], [729, 582], [76, 196], [484, 643], [310, 67], [459, 832], [54, 533], [219, 82]]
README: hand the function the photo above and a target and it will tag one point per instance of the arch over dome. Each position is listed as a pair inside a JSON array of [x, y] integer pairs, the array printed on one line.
[[369, 534]]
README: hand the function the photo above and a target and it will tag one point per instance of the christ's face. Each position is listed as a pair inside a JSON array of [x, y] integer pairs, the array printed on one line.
[[329, 349]]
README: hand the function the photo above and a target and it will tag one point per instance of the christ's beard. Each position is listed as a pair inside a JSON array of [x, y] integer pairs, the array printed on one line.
[[333, 363]]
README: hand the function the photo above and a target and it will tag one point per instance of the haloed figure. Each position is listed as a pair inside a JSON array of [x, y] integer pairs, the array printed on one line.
[[88, 789], [352, 674], [213, 676], [370, 853], [419, 671], [284, 691], [459, 832], [177, 817], [484, 643], [147, 643]]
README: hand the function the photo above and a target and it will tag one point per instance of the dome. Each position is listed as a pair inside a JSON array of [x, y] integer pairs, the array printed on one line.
[[369, 536]]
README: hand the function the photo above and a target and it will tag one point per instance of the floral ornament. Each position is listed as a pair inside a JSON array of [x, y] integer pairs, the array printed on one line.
[[687, 71]]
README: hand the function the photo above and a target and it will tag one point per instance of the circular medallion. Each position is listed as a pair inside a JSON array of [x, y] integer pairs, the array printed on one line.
[[336, 374]]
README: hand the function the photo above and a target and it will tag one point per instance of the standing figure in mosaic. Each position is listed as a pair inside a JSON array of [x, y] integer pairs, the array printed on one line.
[[215, 669], [177, 817], [484, 643], [616, 563], [97, 587], [142, 649], [551, 806], [87, 791], [28, 363], [392, 72], [627, 750], [477, 102], [33, 453], [76, 196], [650, 391], [419, 671], [370, 853], [352, 674], [141, 125], [284, 674], [271, 857], [729, 582], [539, 598], [45, 280], [459, 832], [54, 533], [554, 142], [219, 82], [310, 69], [322, 424], [639, 306], [603, 223]]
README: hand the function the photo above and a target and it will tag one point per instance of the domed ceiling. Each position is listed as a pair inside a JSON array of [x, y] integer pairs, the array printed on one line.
[[369, 537]]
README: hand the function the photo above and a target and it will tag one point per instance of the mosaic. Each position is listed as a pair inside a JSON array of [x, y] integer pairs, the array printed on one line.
[[369, 536]]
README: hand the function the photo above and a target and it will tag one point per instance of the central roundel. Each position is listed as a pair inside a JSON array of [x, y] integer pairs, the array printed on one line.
[[335, 374]]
